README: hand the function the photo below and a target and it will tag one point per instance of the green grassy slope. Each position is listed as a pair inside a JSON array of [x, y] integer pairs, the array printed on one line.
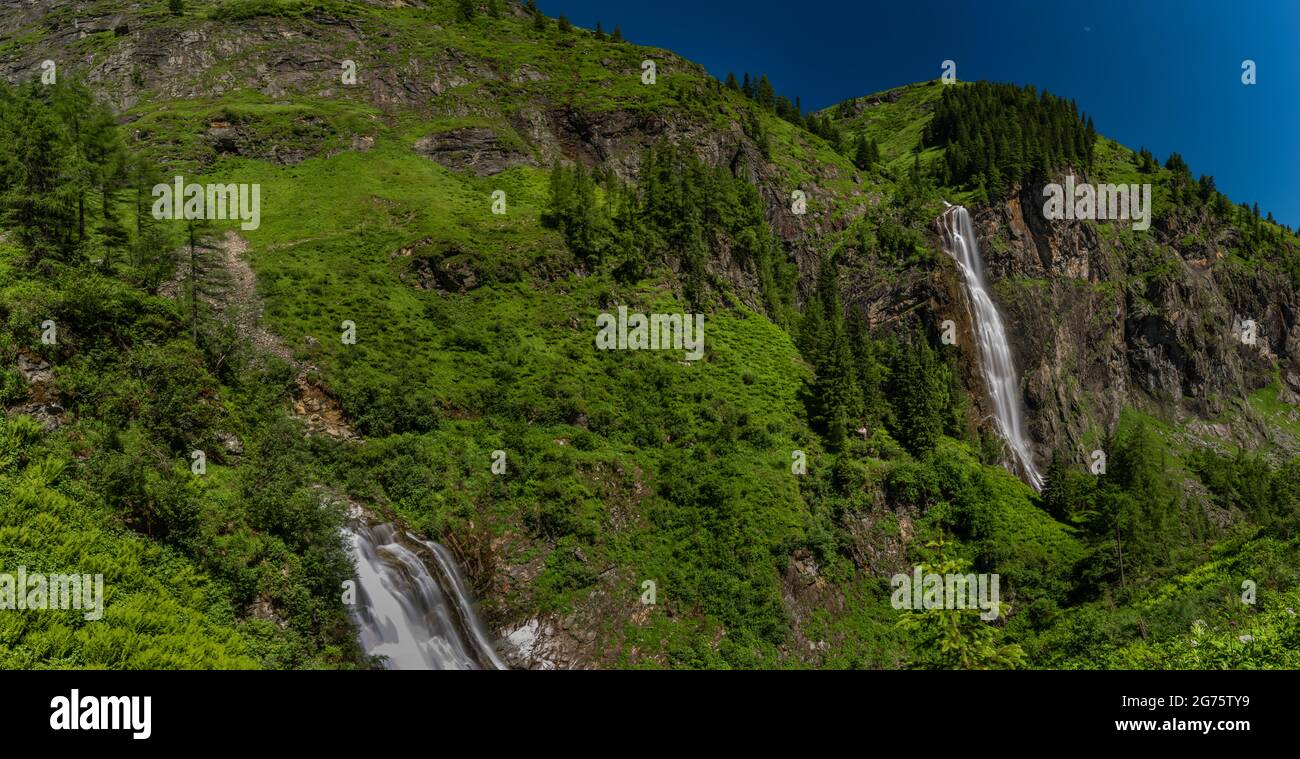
[[622, 466]]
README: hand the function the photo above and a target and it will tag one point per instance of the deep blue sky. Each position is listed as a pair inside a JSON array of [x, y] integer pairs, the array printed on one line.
[[1161, 73]]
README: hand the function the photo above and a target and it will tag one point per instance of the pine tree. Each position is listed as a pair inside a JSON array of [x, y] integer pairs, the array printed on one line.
[[1176, 164], [617, 36], [954, 638], [1068, 492], [866, 154], [539, 21], [1013, 130], [765, 94], [203, 275], [834, 392], [572, 208], [105, 157], [870, 373], [837, 140], [1137, 513], [73, 102], [919, 395], [43, 180], [564, 24], [465, 10], [731, 81], [600, 32]]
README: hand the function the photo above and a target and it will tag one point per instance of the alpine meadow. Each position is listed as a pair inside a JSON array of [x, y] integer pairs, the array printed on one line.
[[447, 334]]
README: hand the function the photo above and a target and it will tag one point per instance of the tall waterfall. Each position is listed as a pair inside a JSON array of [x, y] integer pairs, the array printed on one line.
[[416, 618], [995, 353]]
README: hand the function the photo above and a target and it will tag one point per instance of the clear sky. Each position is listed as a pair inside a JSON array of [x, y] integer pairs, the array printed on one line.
[[1161, 73]]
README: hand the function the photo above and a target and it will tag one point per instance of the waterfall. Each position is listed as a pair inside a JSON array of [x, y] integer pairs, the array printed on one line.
[[416, 618], [995, 353]]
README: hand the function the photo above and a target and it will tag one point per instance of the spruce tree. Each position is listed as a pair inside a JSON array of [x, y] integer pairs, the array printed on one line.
[[944, 638], [834, 394], [1056, 496], [870, 374], [150, 251], [43, 180], [765, 94], [204, 277], [862, 155], [918, 394]]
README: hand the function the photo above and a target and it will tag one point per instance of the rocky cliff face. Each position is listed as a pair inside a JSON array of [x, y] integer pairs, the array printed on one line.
[[524, 110], [1107, 319]]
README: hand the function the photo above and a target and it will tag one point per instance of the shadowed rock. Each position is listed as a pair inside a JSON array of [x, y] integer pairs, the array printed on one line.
[[476, 149]]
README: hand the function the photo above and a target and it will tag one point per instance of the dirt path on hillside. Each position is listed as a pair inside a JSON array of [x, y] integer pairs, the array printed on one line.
[[236, 301], [248, 307]]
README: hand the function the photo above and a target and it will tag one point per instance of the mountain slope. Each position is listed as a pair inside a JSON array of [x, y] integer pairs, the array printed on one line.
[[475, 334]]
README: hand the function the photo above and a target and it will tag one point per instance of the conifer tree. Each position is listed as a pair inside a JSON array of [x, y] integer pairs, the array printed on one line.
[[865, 154], [946, 638], [834, 391], [202, 272], [42, 179], [871, 375], [919, 395], [765, 94], [1013, 130], [1136, 516]]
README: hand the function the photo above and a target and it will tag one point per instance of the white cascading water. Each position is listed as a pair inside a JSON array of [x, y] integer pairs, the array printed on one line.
[[995, 352], [414, 618]]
